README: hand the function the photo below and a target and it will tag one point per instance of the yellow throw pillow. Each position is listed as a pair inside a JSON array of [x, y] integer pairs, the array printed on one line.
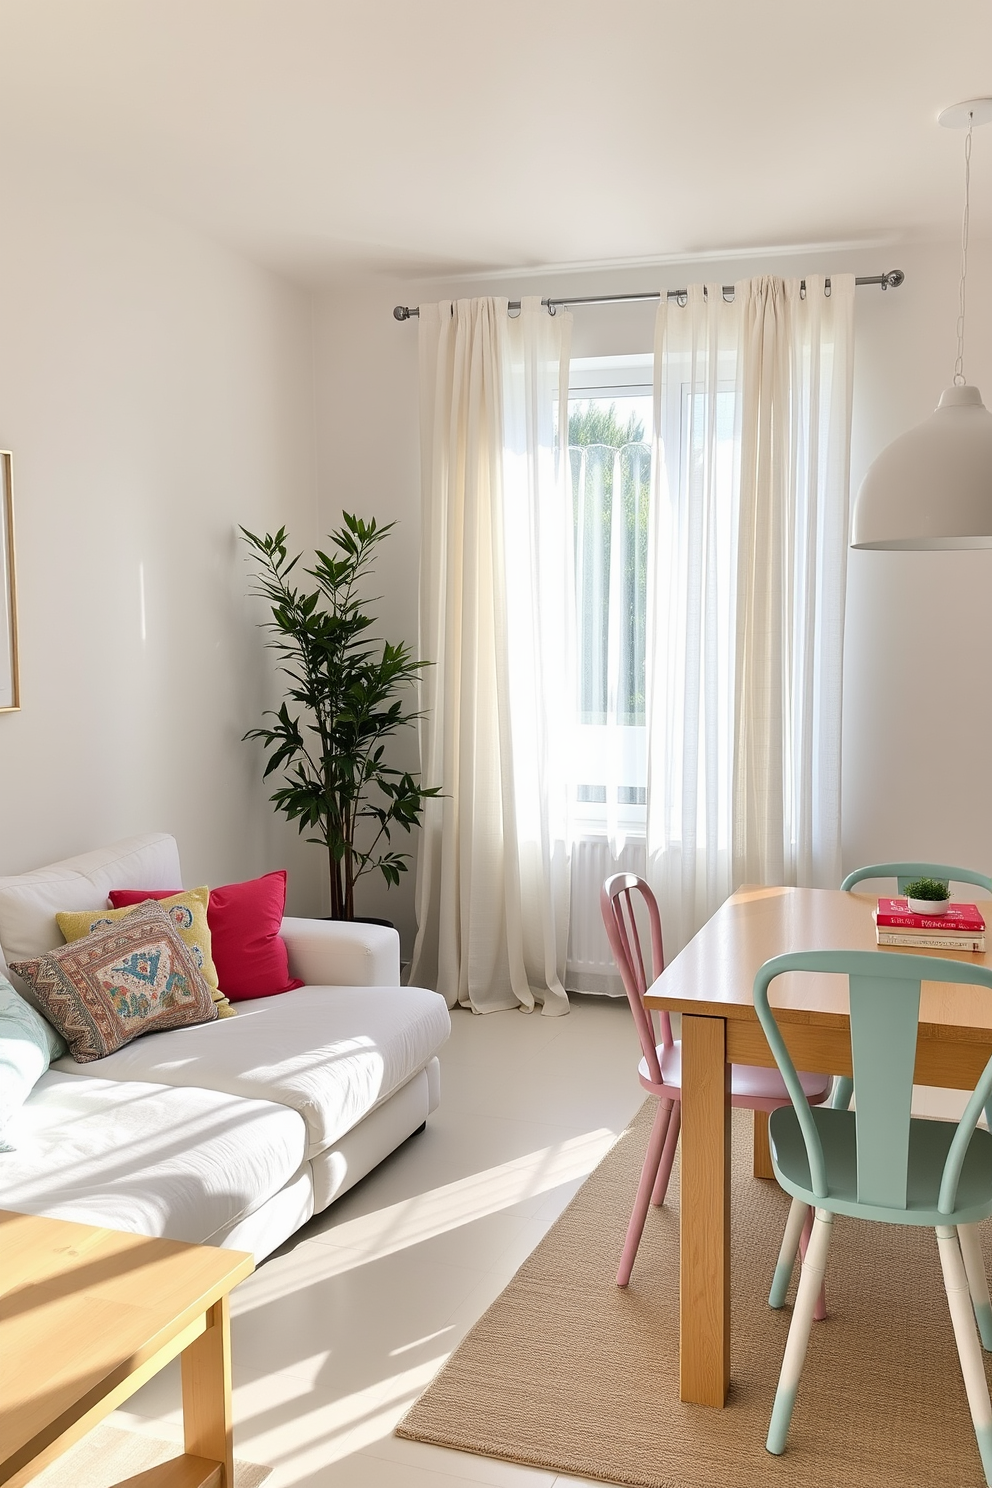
[[188, 913]]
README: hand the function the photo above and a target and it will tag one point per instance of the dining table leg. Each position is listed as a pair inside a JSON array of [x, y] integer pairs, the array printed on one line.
[[704, 1296], [761, 1164]]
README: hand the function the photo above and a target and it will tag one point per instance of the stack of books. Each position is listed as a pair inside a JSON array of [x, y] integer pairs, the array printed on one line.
[[961, 928]]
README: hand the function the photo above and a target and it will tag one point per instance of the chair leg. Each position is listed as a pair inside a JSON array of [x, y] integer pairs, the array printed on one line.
[[840, 1099], [969, 1238], [649, 1172], [667, 1156], [794, 1226], [810, 1282], [820, 1310], [959, 1302]]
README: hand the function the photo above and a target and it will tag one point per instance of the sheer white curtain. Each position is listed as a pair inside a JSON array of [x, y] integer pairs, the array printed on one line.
[[496, 597], [746, 587]]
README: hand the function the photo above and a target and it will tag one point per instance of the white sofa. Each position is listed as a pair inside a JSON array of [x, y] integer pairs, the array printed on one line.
[[233, 1132]]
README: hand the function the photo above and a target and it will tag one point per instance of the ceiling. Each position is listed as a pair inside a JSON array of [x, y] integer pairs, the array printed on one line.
[[330, 137]]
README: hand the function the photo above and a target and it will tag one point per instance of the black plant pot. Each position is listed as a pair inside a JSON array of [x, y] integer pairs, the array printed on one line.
[[363, 920]]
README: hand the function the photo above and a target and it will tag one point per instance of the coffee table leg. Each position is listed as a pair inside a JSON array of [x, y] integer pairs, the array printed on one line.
[[704, 1319], [206, 1369]]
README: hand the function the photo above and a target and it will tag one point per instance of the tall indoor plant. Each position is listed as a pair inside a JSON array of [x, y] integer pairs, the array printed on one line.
[[328, 737]]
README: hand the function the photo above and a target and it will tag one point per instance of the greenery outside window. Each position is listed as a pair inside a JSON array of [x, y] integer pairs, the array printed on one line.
[[610, 435]]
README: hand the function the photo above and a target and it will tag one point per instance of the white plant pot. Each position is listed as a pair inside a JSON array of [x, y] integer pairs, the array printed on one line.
[[929, 906]]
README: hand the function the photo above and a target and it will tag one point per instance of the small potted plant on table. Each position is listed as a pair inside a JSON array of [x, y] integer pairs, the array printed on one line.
[[928, 896]]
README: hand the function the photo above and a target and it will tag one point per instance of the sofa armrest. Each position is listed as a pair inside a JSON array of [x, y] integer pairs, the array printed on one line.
[[340, 953]]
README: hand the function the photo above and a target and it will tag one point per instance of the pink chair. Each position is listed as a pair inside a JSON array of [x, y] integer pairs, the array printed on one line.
[[660, 1069]]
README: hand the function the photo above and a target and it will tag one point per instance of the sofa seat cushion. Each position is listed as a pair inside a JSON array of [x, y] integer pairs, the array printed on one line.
[[331, 1053], [184, 1164]]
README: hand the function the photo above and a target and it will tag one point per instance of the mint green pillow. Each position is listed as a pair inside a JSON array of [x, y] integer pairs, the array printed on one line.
[[27, 1046]]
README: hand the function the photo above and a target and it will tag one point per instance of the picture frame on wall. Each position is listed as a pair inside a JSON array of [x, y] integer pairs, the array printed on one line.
[[10, 692]]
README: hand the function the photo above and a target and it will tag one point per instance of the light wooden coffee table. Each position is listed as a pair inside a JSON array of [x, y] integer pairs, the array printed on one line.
[[87, 1316]]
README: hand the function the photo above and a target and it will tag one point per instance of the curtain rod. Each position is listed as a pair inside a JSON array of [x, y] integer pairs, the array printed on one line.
[[891, 280]]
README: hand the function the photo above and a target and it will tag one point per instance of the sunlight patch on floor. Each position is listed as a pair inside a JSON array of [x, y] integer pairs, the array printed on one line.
[[467, 1199], [333, 1430], [412, 1221]]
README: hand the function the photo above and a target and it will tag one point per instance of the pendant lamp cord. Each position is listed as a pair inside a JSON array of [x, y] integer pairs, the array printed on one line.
[[959, 377]]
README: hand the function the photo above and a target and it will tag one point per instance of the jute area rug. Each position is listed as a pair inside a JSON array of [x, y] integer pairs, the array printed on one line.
[[110, 1458], [566, 1372]]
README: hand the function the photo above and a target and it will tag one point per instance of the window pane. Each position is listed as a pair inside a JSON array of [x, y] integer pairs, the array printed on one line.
[[610, 464]]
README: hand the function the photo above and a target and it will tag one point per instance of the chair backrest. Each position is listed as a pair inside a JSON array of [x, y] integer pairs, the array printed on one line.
[[618, 900], [904, 873], [885, 1012]]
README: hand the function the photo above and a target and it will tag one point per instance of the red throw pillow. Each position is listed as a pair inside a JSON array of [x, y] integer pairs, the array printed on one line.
[[244, 918]]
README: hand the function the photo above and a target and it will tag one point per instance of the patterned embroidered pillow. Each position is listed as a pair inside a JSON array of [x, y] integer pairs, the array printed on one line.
[[188, 912], [132, 977]]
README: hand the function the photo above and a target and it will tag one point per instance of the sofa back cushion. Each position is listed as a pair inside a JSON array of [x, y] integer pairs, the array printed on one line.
[[29, 901]]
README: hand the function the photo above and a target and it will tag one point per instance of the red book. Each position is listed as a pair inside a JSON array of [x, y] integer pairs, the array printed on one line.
[[963, 918]]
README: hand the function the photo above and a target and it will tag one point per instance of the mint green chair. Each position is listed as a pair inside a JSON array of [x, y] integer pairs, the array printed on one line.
[[881, 1163], [904, 873]]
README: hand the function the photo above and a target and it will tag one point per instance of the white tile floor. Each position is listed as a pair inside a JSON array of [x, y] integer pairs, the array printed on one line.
[[336, 1335]]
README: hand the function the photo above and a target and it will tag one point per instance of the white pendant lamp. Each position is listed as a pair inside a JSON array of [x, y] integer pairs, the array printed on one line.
[[932, 487]]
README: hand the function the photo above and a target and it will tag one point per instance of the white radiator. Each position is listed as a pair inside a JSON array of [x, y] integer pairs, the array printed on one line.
[[590, 966]]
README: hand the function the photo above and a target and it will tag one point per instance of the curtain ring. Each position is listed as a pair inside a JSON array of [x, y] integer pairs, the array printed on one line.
[[802, 289], [728, 299], [826, 288], [682, 299]]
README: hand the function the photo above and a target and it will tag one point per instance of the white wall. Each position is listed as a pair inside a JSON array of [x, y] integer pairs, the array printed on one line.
[[898, 706], [155, 390], [918, 704]]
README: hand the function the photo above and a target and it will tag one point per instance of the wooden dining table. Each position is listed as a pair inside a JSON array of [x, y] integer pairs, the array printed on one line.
[[710, 984]]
